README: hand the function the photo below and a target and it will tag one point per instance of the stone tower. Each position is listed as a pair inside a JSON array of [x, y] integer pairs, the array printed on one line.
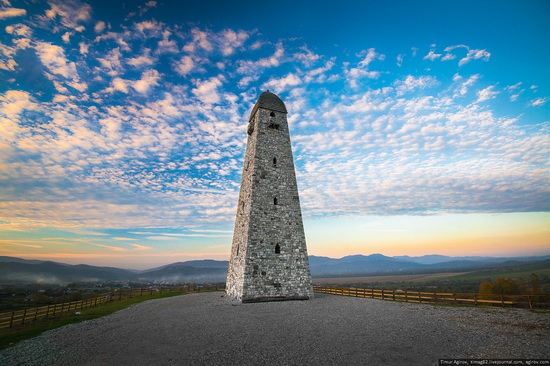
[[269, 259]]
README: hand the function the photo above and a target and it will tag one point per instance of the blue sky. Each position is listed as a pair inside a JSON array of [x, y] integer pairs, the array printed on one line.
[[417, 127]]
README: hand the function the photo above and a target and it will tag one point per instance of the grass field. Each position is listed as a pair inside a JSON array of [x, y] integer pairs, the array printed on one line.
[[515, 272], [10, 337], [385, 279]]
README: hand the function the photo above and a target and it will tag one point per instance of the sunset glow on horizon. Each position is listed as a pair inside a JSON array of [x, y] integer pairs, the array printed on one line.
[[416, 128]]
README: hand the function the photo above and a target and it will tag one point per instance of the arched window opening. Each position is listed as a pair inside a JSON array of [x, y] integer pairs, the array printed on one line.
[[274, 161], [275, 200], [272, 114], [277, 249]]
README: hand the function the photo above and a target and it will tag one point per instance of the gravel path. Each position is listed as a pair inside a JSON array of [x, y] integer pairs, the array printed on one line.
[[206, 329]]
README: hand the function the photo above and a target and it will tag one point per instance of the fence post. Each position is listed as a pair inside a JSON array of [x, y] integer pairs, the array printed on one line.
[[419, 297], [393, 294], [35, 314], [24, 314], [406, 300], [502, 300], [11, 320], [475, 299], [530, 303], [47, 311], [141, 291]]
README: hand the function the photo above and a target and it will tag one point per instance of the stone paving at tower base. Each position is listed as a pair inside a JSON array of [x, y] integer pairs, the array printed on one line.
[[207, 329]]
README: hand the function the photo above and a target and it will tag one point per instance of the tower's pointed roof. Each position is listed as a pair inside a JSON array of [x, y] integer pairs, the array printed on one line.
[[269, 101]]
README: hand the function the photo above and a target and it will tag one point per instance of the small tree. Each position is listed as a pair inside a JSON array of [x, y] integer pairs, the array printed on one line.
[[505, 286], [485, 289], [535, 284]]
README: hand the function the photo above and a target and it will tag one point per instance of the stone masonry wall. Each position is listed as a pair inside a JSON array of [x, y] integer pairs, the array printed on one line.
[[269, 256]]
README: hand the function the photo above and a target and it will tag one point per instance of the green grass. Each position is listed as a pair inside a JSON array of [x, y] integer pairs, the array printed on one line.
[[9, 338], [514, 273]]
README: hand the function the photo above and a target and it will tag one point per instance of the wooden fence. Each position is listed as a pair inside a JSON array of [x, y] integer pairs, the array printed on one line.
[[19, 317], [518, 301]]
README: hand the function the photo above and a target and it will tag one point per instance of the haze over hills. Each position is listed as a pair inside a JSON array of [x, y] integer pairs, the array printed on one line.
[[22, 271]]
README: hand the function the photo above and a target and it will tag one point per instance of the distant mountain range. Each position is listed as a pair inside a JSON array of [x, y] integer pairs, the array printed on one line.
[[22, 271]]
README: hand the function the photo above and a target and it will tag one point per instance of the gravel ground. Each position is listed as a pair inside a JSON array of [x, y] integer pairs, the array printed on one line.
[[207, 329]]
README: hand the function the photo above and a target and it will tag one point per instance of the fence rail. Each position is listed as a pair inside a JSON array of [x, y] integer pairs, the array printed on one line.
[[518, 301], [20, 317]]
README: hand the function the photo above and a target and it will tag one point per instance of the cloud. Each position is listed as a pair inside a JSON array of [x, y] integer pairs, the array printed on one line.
[[149, 28], [432, 55], [281, 84], [355, 73], [83, 48], [53, 58], [249, 67], [538, 102], [307, 57], [412, 83], [399, 60], [474, 55], [448, 57], [471, 54], [110, 247], [200, 41], [167, 45], [232, 40], [70, 12], [185, 65], [66, 37], [140, 247], [371, 56], [141, 60], [486, 94], [112, 62], [245, 81], [515, 91], [319, 74], [19, 30], [118, 84], [466, 85], [169, 141], [6, 13], [207, 90], [99, 26]]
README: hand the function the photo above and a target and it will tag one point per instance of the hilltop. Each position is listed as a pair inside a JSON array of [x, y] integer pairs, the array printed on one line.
[[22, 271]]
